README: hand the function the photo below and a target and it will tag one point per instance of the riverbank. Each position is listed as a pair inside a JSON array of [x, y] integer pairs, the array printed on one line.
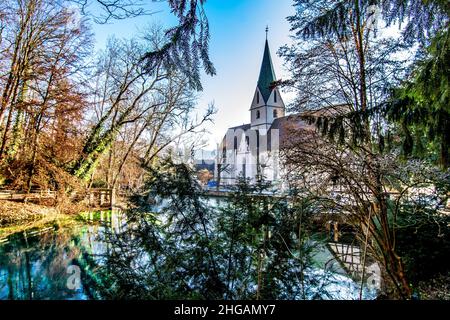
[[18, 216], [13, 213]]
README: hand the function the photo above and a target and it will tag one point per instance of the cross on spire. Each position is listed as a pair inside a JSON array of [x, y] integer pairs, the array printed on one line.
[[267, 31]]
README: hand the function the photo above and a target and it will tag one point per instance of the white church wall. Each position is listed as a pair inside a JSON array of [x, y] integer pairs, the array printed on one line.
[[262, 116]]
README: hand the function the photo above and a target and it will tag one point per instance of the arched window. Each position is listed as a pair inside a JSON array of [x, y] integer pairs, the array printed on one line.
[[258, 114], [275, 96], [257, 97], [275, 113]]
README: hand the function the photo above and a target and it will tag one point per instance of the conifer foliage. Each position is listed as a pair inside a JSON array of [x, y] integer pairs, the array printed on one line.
[[189, 247], [375, 113], [415, 100]]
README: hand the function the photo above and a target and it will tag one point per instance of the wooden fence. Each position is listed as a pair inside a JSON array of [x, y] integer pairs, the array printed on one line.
[[93, 197], [24, 196]]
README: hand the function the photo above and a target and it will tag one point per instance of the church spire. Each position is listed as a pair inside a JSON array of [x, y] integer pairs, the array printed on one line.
[[266, 74]]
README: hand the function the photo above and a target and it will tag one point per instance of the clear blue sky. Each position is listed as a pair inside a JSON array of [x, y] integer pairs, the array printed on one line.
[[236, 49]]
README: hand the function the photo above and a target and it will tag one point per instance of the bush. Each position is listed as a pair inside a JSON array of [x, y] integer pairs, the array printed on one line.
[[423, 241]]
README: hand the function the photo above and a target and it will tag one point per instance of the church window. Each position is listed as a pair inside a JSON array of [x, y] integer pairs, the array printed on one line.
[[258, 114], [257, 97], [275, 113], [235, 143], [224, 154], [257, 146], [275, 96], [257, 138]]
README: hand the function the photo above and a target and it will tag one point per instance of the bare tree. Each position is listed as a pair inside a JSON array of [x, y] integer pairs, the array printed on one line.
[[43, 64], [341, 181], [344, 75], [137, 114], [186, 45]]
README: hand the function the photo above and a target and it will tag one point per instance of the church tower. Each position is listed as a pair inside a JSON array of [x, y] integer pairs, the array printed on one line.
[[267, 104]]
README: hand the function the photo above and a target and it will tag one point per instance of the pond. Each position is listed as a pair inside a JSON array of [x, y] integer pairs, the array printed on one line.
[[38, 264], [61, 262]]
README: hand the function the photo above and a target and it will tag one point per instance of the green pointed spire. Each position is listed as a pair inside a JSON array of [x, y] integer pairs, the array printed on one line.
[[267, 74]]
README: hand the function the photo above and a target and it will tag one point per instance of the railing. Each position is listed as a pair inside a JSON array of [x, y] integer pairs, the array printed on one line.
[[93, 197], [349, 255], [102, 197], [17, 196]]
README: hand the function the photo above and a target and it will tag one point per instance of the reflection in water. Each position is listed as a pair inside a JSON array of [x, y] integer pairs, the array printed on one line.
[[44, 264], [112, 259], [35, 267]]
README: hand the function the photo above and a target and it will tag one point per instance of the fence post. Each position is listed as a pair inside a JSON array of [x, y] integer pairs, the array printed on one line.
[[336, 232], [102, 198], [112, 198]]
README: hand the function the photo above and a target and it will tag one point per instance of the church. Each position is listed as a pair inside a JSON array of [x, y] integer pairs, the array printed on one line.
[[252, 150]]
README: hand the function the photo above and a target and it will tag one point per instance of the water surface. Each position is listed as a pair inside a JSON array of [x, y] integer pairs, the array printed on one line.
[[49, 263]]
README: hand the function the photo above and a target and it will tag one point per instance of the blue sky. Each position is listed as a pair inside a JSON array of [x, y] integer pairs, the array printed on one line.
[[236, 49]]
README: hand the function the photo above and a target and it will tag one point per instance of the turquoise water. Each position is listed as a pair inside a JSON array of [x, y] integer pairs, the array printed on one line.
[[40, 265], [55, 263]]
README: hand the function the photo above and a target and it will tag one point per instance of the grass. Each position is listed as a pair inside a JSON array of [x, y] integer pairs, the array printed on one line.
[[18, 217], [61, 220]]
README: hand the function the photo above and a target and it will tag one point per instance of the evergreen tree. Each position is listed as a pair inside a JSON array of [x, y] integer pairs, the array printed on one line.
[[344, 50], [420, 105], [252, 247]]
